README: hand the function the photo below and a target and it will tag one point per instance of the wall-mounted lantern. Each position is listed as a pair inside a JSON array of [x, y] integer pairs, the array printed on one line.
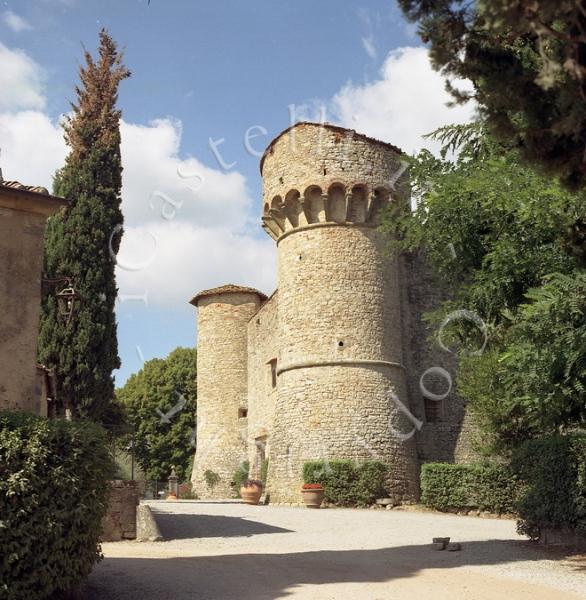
[[66, 298]]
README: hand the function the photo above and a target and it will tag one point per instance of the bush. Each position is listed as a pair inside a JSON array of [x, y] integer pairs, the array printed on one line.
[[239, 477], [347, 483], [212, 479], [554, 471], [448, 487], [53, 494]]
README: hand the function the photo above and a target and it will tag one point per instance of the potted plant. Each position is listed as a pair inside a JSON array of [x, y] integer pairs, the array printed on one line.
[[251, 491], [313, 494]]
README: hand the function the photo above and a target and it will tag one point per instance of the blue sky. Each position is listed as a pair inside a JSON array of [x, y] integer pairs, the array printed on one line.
[[204, 72]]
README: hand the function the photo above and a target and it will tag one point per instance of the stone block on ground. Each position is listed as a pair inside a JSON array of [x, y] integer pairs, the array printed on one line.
[[147, 529]]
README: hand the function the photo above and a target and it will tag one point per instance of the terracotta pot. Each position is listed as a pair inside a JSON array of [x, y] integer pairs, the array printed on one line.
[[313, 498], [251, 494]]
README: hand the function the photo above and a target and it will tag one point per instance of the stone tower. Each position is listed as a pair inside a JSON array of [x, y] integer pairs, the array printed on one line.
[[223, 314], [340, 360]]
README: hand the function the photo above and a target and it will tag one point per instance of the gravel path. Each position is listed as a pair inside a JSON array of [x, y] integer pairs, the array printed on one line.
[[228, 550]]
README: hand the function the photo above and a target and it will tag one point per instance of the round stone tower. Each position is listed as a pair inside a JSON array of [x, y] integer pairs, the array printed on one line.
[[223, 314], [340, 375]]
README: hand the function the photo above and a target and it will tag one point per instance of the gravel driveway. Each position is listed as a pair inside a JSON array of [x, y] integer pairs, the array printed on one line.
[[227, 550]]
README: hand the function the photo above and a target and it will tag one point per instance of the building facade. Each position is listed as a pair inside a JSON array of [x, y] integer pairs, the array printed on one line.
[[23, 214], [335, 364]]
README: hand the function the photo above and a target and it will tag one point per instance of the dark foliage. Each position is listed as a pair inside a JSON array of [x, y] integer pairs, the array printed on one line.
[[348, 483], [448, 487], [527, 62], [53, 494], [82, 240], [554, 472]]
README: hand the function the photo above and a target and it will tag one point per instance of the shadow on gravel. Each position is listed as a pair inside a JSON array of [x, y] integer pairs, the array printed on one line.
[[175, 526], [271, 576]]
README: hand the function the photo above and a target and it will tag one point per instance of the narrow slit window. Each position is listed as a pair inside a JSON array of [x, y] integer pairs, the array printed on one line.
[[273, 367]]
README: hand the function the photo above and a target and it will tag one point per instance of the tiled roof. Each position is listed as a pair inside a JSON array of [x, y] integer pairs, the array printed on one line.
[[15, 185], [227, 289]]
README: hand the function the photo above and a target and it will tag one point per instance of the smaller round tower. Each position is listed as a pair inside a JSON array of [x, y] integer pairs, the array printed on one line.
[[223, 314]]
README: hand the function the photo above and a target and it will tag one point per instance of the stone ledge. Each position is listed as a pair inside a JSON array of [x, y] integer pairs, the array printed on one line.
[[340, 362]]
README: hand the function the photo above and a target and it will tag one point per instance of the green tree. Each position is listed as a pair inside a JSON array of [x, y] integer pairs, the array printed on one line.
[[160, 402], [81, 241], [527, 62], [534, 382], [495, 233]]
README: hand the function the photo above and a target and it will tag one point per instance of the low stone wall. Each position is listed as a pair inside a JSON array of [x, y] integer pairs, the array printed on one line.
[[120, 520]]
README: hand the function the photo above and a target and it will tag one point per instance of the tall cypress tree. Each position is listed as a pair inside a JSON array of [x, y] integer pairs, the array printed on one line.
[[82, 240]]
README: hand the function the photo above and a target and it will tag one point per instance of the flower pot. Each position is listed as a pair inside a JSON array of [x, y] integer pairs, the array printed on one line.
[[251, 493], [313, 498]]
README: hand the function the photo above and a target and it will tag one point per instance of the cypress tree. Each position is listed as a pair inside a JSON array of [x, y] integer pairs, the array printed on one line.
[[82, 240]]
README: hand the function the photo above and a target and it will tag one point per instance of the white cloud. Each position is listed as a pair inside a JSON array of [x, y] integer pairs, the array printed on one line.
[[406, 102], [187, 258], [31, 147], [21, 81], [158, 184], [203, 239], [16, 22], [368, 44], [203, 219], [188, 226]]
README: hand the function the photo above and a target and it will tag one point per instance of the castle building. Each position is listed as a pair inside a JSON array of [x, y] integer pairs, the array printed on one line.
[[23, 215], [331, 365]]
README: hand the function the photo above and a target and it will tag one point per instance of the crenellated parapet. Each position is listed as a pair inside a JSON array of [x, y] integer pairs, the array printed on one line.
[[316, 173], [357, 204]]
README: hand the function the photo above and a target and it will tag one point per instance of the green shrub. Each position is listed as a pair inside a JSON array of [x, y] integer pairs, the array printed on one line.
[[347, 483], [554, 472], [212, 479], [490, 487], [53, 494], [239, 477]]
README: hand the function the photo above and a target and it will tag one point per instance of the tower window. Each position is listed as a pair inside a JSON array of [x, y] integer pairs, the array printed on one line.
[[242, 413], [273, 366], [434, 410]]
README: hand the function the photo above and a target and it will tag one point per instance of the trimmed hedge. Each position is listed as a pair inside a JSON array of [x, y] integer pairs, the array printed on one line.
[[53, 494], [448, 487], [554, 471], [348, 483]]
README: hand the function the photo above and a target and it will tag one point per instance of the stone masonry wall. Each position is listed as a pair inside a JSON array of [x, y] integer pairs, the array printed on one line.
[[451, 438], [339, 302], [120, 520], [21, 262], [263, 344], [221, 388], [341, 356], [313, 155], [345, 328]]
